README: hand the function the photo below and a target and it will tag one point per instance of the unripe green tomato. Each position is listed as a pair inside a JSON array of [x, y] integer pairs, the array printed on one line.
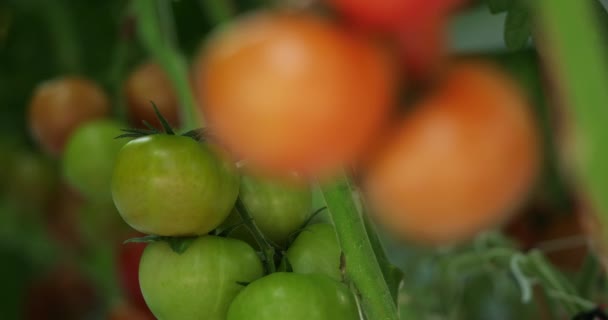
[[316, 250], [199, 283], [292, 296], [173, 186], [278, 207], [89, 157]]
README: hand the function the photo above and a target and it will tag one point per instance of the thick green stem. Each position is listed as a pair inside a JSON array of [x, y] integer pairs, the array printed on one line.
[[575, 41], [151, 33], [361, 266]]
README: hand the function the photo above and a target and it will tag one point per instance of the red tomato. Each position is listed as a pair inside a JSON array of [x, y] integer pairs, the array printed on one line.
[[148, 82], [129, 256], [61, 105], [129, 312], [292, 91], [390, 15], [460, 162], [423, 46]]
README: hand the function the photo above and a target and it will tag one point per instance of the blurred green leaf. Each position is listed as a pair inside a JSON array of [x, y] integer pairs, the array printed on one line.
[[498, 6], [518, 27]]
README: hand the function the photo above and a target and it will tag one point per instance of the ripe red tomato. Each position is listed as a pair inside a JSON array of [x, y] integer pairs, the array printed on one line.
[[460, 162], [60, 105], [148, 82], [292, 91], [129, 312], [389, 15], [129, 256]]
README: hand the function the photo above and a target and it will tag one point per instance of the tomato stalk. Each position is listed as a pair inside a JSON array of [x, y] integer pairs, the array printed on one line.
[[576, 44], [159, 43], [361, 266], [267, 249]]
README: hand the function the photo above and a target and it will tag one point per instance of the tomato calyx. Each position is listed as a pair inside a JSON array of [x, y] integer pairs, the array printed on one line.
[[199, 134], [179, 245]]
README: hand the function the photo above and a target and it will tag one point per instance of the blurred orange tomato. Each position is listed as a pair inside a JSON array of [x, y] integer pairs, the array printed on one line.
[[60, 105], [293, 91], [148, 82], [460, 162]]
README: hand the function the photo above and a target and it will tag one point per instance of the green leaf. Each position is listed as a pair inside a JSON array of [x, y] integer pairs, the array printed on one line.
[[498, 6], [518, 27], [163, 121], [179, 245]]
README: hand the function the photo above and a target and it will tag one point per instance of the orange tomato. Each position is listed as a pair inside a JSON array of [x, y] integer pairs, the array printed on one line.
[[61, 105], [292, 91], [148, 82], [460, 162]]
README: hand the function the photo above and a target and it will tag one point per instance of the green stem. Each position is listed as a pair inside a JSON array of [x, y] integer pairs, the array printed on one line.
[[589, 276], [219, 11], [393, 276], [267, 249], [167, 54], [575, 41], [361, 265]]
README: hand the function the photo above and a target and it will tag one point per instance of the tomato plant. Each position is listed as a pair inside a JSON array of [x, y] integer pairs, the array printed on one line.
[[91, 175], [172, 185], [460, 163], [199, 283], [148, 82], [251, 78], [316, 250], [278, 207], [59, 106], [294, 296]]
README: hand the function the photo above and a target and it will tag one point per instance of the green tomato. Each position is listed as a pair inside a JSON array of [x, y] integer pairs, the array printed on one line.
[[292, 296], [173, 186], [199, 283], [316, 250], [89, 157], [278, 208]]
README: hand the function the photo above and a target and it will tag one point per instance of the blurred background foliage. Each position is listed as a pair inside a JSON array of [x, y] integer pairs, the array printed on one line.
[[40, 39]]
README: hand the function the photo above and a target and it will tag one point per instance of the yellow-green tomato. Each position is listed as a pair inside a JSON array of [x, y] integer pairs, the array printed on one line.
[[173, 186], [278, 207], [316, 250], [292, 296], [199, 283], [89, 156]]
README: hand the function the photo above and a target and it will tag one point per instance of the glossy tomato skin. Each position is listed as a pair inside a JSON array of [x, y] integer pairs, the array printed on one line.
[[201, 282], [285, 91], [278, 206], [460, 162], [89, 156], [148, 82], [61, 105], [296, 297], [316, 251], [173, 186]]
